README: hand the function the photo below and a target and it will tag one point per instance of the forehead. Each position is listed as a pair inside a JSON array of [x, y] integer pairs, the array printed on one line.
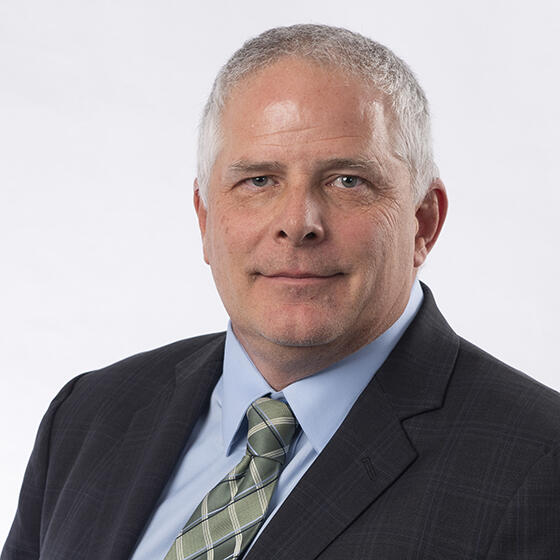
[[296, 105]]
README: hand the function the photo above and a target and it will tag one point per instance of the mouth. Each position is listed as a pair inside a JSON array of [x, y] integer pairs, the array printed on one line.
[[300, 278]]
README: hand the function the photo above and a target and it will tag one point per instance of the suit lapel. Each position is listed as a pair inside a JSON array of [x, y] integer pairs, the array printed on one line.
[[367, 453], [371, 449], [151, 447]]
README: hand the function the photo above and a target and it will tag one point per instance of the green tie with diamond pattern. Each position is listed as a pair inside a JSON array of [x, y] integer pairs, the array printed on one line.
[[231, 514]]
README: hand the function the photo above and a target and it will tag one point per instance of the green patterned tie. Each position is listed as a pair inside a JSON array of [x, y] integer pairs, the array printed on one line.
[[231, 514]]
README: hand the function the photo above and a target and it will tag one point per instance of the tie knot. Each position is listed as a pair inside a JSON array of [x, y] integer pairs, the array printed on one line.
[[272, 426]]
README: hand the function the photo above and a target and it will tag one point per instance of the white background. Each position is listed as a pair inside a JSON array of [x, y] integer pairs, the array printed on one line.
[[100, 254]]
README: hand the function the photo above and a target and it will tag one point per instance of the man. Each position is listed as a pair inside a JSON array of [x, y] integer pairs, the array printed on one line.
[[340, 416]]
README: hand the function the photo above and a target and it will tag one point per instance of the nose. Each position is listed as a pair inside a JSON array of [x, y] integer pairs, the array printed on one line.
[[300, 218]]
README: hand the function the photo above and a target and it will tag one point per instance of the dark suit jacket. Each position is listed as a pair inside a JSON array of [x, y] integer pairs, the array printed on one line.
[[448, 454]]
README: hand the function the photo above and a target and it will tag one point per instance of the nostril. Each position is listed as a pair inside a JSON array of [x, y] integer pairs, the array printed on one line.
[[311, 235]]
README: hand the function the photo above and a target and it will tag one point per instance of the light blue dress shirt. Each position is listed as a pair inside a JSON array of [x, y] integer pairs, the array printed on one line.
[[320, 403]]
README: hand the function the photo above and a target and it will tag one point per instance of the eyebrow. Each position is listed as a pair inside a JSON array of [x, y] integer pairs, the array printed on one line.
[[264, 167], [350, 163], [244, 166]]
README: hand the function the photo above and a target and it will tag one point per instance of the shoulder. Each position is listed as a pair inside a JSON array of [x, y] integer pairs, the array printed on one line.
[[504, 403], [145, 365], [509, 434], [132, 382], [486, 415], [481, 395], [499, 385]]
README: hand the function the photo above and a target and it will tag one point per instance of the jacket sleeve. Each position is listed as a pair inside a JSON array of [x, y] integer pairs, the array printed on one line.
[[530, 527], [24, 539]]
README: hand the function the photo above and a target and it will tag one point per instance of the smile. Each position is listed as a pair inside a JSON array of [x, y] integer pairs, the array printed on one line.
[[300, 278]]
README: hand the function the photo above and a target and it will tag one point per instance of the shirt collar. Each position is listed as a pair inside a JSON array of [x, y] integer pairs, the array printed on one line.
[[321, 401]]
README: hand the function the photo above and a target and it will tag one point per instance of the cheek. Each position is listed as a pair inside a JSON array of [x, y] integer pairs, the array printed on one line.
[[383, 240], [228, 239], [368, 234]]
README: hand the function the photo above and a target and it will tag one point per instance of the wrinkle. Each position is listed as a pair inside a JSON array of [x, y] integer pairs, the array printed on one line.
[[289, 130], [303, 141]]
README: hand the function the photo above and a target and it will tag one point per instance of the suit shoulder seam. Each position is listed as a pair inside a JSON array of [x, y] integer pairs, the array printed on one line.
[[49, 419], [555, 450]]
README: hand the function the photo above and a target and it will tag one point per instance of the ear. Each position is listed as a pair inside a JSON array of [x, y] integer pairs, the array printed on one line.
[[202, 213], [430, 215]]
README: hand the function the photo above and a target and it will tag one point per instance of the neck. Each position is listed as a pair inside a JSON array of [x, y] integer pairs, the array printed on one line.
[[281, 365]]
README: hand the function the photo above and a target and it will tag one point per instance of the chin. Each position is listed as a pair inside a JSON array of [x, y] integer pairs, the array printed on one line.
[[302, 335]]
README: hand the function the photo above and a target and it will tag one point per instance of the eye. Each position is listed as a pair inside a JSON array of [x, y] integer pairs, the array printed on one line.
[[348, 181], [260, 181]]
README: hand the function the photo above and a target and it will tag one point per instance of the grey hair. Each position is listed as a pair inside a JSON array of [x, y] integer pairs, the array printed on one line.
[[352, 52]]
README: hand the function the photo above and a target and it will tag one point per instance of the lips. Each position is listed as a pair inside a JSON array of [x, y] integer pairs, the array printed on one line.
[[299, 275], [298, 279]]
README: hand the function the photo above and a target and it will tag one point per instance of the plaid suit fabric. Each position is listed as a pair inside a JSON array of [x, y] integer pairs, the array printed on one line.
[[448, 454], [230, 515]]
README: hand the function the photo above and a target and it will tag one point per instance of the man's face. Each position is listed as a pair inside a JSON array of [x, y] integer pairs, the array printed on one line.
[[310, 224]]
